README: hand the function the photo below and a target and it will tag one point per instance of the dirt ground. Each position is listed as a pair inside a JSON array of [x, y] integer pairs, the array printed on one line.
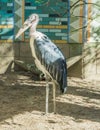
[[22, 105]]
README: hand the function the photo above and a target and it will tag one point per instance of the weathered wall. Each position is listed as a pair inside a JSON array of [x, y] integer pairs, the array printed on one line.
[[6, 57], [88, 67], [23, 52], [91, 60]]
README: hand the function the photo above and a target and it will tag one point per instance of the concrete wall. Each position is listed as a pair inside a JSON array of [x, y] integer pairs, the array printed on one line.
[[91, 60], [6, 57], [21, 51], [88, 67]]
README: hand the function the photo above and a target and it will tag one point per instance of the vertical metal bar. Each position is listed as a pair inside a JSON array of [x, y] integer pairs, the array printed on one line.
[[47, 98], [89, 20], [54, 97], [85, 14], [81, 23], [68, 16], [23, 16]]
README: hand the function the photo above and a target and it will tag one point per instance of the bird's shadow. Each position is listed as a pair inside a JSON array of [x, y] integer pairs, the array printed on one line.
[[19, 95]]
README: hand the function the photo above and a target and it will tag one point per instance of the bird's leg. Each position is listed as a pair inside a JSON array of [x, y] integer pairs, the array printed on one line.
[[54, 96]]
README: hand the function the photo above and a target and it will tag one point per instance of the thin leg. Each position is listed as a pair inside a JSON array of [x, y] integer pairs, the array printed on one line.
[[54, 97], [47, 97]]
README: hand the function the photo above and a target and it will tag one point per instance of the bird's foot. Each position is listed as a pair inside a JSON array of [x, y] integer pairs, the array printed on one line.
[[64, 90], [42, 77]]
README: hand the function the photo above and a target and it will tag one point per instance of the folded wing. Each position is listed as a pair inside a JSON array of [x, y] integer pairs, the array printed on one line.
[[51, 57]]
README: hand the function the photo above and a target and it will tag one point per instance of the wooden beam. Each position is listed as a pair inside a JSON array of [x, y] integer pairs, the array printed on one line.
[[26, 67], [71, 61]]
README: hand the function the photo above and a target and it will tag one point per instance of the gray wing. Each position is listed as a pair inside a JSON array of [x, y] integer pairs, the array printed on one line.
[[51, 57]]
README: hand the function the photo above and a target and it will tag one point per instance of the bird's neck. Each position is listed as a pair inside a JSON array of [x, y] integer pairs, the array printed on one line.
[[32, 30], [35, 34]]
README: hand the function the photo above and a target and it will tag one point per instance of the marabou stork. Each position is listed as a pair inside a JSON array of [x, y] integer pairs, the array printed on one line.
[[47, 56]]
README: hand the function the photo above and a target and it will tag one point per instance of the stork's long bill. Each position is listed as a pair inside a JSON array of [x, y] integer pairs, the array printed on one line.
[[31, 21]]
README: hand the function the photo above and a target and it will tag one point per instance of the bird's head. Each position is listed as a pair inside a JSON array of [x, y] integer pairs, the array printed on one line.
[[32, 21]]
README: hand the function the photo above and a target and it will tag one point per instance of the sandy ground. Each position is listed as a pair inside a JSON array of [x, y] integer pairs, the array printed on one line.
[[22, 105]]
